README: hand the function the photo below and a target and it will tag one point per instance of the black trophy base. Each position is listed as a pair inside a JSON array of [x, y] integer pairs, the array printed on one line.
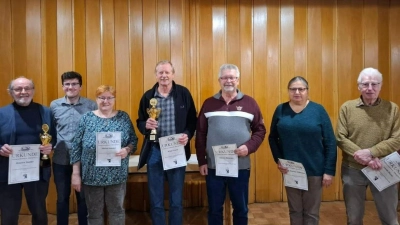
[[45, 163]]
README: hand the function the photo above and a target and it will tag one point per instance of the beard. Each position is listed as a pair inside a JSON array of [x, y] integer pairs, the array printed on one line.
[[23, 101], [229, 88]]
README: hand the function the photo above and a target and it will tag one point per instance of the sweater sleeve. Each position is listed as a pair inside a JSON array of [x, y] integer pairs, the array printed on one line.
[[201, 137], [273, 138], [391, 144], [329, 143], [257, 130], [342, 133]]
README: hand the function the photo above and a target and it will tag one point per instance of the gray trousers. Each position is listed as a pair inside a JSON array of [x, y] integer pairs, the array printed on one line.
[[304, 205], [355, 184], [112, 196]]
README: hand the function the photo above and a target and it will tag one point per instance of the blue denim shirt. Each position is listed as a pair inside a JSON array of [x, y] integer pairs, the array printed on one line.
[[66, 117]]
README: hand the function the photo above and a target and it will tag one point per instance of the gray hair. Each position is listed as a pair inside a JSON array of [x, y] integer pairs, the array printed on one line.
[[10, 85], [298, 78], [228, 67], [162, 62], [369, 72]]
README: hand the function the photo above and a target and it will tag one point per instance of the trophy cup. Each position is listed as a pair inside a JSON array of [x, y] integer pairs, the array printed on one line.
[[153, 113], [45, 138]]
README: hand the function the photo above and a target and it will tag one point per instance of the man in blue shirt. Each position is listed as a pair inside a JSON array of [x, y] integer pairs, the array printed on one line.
[[20, 124], [67, 112]]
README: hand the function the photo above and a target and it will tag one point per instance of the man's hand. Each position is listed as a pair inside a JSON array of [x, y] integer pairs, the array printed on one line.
[[203, 170], [46, 149], [375, 164], [242, 150], [363, 156], [5, 150], [183, 139], [151, 124]]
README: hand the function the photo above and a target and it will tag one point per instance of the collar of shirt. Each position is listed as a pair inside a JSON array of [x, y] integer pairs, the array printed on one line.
[[64, 102], [361, 103]]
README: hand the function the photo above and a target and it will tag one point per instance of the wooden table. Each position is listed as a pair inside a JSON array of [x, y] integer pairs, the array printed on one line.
[[192, 174]]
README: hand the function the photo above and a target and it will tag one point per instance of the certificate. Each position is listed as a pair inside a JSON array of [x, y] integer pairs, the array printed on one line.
[[388, 175], [107, 144], [23, 164], [226, 161], [296, 177], [172, 152]]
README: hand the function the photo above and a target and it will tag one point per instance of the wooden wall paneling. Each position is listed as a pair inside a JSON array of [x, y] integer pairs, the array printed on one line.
[[314, 51], [370, 26], [253, 59], [93, 48], [150, 48], [107, 24], [192, 26], [219, 40], [394, 40], [49, 51], [357, 44], [383, 42], [287, 46], [18, 38], [122, 62], [240, 53], [233, 36], [79, 42], [34, 48], [6, 56], [273, 98], [163, 30], [64, 39], [136, 62], [207, 78], [329, 77], [300, 38], [177, 45]]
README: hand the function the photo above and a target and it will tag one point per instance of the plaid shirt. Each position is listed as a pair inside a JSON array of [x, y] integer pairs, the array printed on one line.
[[166, 120]]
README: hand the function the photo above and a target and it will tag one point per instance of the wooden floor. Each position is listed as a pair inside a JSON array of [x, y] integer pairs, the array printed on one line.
[[332, 213]]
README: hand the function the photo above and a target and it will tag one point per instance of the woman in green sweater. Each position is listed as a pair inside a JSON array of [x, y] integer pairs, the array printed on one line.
[[301, 131]]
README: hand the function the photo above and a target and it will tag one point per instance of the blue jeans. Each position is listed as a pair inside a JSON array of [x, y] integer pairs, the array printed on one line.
[[175, 178], [11, 199], [62, 179], [238, 189]]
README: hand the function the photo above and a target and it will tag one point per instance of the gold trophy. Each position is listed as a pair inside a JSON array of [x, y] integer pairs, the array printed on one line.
[[153, 113], [45, 138]]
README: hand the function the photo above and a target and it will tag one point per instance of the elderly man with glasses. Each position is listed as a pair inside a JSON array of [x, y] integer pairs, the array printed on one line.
[[21, 124], [368, 129]]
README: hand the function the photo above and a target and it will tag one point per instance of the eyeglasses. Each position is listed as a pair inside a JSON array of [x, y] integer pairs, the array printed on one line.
[[103, 99], [228, 78], [71, 84], [294, 90], [20, 89], [366, 85]]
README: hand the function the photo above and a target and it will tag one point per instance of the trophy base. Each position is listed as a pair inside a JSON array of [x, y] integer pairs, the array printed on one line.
[[45, 162], [153, 138]]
